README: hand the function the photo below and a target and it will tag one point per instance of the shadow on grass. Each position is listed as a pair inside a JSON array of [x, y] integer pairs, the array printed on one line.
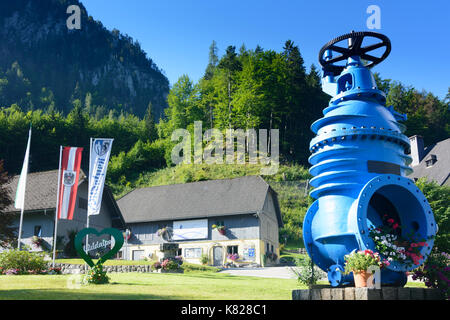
[[78, 294]]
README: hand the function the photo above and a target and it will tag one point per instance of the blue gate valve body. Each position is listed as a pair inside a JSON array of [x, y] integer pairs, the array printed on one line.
[[359, 162]]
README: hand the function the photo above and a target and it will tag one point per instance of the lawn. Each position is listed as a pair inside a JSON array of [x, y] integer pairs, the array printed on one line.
[[188, 286], [135, 286]]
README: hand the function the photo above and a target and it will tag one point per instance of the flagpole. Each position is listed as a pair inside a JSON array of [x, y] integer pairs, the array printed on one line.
[[24, 173], [57, 207], [20, 229], [89, 190]]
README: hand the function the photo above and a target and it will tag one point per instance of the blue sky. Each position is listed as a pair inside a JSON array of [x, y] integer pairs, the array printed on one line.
[[177, 34]]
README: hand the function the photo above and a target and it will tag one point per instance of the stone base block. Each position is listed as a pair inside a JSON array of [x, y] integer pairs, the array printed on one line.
[[351, 293]]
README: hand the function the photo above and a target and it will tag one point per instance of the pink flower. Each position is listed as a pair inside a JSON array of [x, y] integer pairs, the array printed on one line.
[[395, 226], [390, 220]]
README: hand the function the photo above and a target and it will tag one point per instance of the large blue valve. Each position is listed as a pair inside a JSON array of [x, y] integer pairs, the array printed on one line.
[[359, 163]]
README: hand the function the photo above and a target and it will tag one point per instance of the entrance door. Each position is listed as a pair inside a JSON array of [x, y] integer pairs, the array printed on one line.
[[218, 256]]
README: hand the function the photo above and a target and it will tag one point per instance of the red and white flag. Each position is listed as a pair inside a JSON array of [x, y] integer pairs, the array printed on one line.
[[69, 171]]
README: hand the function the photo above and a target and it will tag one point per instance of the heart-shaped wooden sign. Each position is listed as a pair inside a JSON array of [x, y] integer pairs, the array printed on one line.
[[118, 242]]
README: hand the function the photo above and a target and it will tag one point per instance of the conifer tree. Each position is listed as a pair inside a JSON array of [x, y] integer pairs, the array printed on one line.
[[7, 234], [150, 127]]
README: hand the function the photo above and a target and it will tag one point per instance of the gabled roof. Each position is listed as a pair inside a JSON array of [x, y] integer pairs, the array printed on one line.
[[439, 171], [213, 198], [41, 190]]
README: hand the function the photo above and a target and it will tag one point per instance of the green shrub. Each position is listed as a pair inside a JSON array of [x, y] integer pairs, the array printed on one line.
[[439, 199], [192, 267], [306, 274], [96, 275], [156, 265], [204, 259], [169, 264], [23, 261]]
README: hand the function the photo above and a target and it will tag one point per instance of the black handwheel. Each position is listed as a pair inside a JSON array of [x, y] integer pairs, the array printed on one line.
[[355, 40]]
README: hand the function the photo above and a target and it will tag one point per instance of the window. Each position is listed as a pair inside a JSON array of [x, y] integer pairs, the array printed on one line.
[[179, 252], [191, 253], [271, 247], [232, 249], [267, 247], [431, 160], [82, 203], [37, 231]]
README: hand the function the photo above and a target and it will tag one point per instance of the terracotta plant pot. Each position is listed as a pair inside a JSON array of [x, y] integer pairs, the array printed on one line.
[[361, 278]]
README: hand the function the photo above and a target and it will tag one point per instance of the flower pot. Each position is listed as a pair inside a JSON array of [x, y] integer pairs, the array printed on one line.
[[222, 231], [361, 278]]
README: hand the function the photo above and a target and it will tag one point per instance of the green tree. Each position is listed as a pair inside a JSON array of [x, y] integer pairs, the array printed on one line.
[[7, 232], [150, 126], [439, 199], [231, 64], [212, 61], [183, 106]]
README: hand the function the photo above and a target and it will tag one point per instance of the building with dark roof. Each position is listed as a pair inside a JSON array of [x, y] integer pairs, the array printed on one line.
[[247, 207], [432, 162], [40, 205]]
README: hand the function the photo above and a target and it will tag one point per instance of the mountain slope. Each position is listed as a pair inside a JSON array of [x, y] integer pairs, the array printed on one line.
[[42, 61]]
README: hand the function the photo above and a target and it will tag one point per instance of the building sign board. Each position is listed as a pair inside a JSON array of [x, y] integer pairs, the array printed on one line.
[[190, 229]]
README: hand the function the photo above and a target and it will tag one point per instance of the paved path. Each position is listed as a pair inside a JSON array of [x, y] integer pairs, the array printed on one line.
[[268, 272], [273, 272]]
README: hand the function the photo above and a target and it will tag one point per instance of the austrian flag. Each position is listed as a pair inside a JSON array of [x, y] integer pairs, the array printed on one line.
[[69, 171]]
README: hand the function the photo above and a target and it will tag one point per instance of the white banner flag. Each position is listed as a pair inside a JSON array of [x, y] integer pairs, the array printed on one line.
[[99, 158], [19, 202]]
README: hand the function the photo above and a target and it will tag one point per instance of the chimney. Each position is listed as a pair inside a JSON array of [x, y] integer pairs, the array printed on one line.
[[417, 149]]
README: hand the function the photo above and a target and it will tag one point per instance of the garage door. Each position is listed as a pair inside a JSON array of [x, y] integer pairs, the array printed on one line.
[[138, 254]]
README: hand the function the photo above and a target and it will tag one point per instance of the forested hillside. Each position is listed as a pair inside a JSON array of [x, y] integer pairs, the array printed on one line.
[[46, 66], [251, 88]]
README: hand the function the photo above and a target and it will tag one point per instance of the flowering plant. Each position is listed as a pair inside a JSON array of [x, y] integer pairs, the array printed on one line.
[[435, 272], [218, 227], [12, 271], [390, 244], [37, 241], [54, 270], [156, 265], [169, 264], [165, 233], [161, 232], [179, 260], [233, 256], [361, 260]]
